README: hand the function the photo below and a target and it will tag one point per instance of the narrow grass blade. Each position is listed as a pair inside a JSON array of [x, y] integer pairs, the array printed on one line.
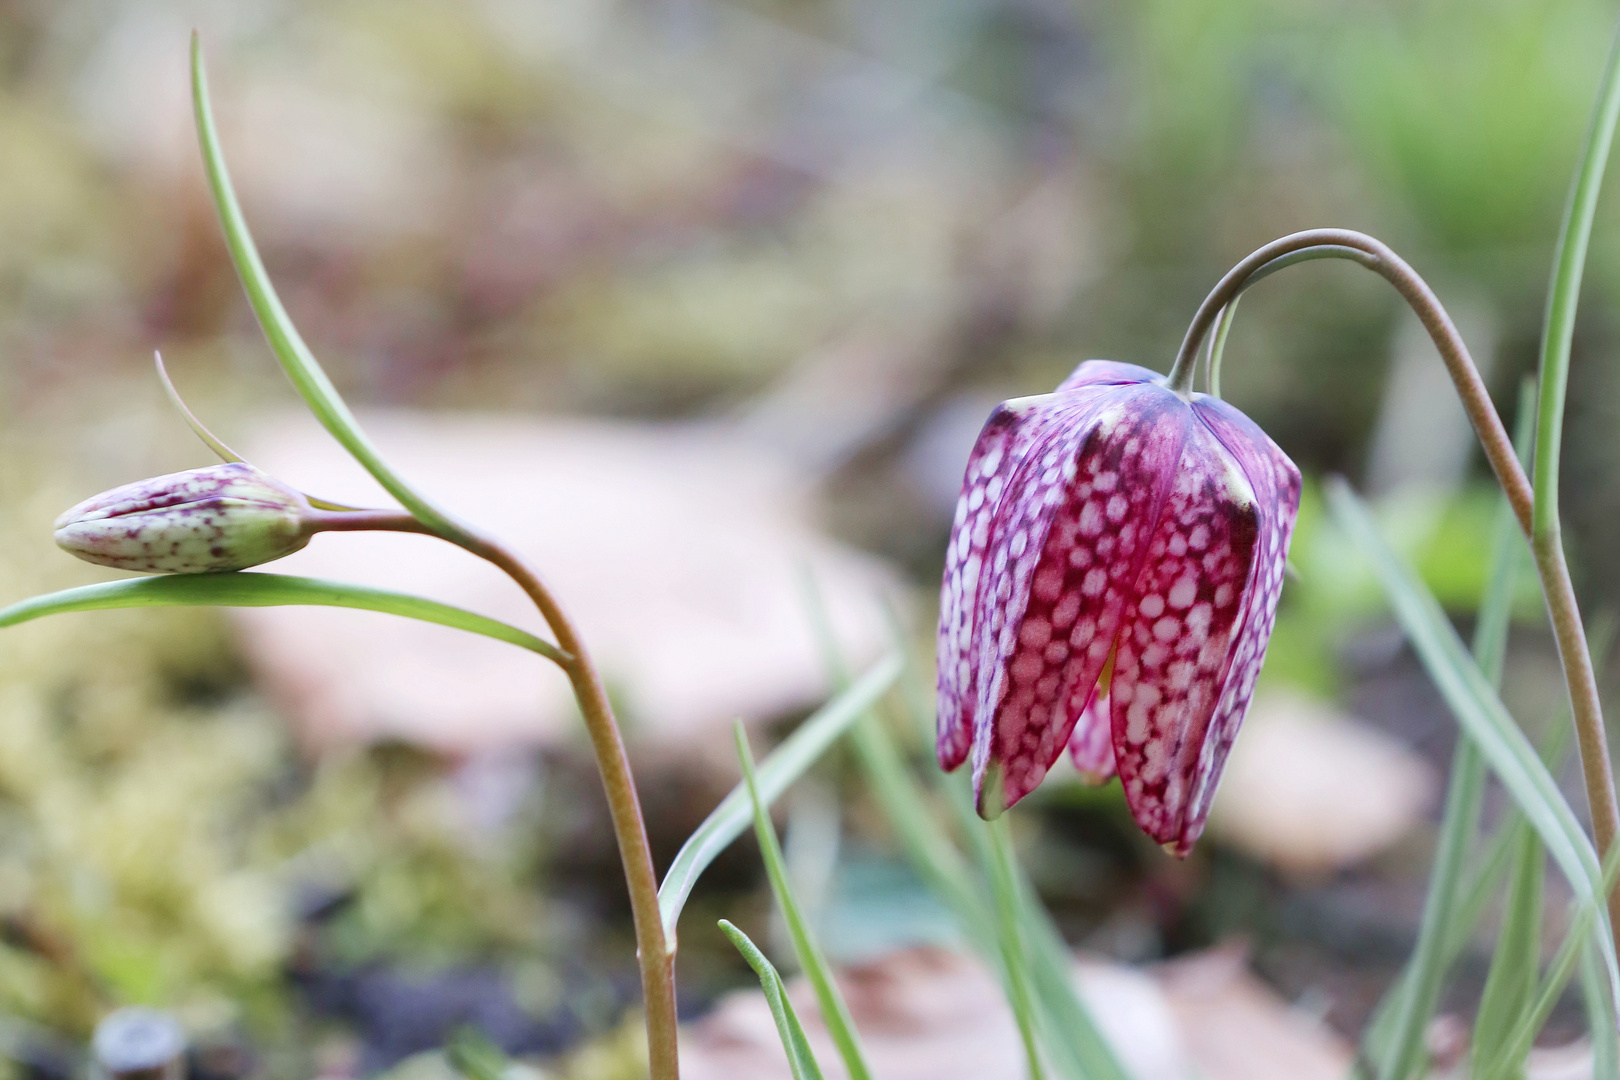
[[834, 1012], [1419, 989], [1071, 1034], [788, 1028], [1510, 986], [296, 360], [1588, 916], [1599, 1018], [1479, 710], [1013, 949], [266, 590], [198, 428], [1399, 1045], [1075, 1046], [1564, 293], [1491, 867], [1072, 1038], [906, 806], [783, 766]]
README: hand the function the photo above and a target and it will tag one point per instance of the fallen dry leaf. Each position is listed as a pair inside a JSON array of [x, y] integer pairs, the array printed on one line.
[[1310, 790], [1236, 1027], [680, 552], [926, 1014]]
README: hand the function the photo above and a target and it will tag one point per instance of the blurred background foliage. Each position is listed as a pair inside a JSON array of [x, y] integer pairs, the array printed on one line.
[[846, 226]]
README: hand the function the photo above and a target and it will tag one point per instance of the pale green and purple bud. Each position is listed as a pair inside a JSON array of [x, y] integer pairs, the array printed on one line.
[[223, 517]]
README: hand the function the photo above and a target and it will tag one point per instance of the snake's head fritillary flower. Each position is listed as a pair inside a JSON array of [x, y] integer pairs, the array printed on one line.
[[224, 517], [1110, 586]]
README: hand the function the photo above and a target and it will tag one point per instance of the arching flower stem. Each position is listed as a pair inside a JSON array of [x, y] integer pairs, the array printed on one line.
[[655, 953], [653, 950], [1217, 347], [1539, 524]]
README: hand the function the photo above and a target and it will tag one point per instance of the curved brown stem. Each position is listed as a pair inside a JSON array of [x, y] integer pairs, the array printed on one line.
[[1551, 566], [653, 953], [1476, 400]]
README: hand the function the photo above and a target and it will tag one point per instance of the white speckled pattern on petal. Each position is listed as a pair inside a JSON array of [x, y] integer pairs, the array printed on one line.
[[1111, 518]]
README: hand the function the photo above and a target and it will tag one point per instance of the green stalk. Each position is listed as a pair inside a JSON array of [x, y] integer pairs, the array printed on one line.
[[1419, 991], [654, 953], [834, 1011], [1013, 949], [1510, 986], [1551, 567], [1563, 294], [1546, 541]]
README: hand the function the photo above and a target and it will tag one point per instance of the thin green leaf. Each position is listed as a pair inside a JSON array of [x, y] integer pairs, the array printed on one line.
[[783, 766], [267, 590], [903, 801], [1402, 1040], [1492, 867], [788, 1028], [1510, 986], [297, 361], [1599, 1022], [1419, 990], [1478, 709], [209, 439], [1564, 294], [834, 1011], [1217, 346], [1075, 1045], [1013, 949], [1588, 916], [1067, 1022]]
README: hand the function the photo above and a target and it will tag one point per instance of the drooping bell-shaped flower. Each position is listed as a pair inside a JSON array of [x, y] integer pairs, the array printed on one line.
[[223, 517], [1110, 586]]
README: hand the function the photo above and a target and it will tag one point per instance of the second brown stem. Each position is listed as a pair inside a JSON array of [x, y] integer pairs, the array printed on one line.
[[653, 954], [1547, 545]]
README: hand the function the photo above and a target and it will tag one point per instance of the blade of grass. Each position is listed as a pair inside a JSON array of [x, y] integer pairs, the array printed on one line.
[[800, 1060], [1510, 985], [296, 360], [1072, 1039], [903, 801], [779, 769], [266, 590], [1070, 1032], [1051, 966], [834, 1011], [1011, 939], [1599, 1009], [1491, 869], [1564, 290], [1589, 913], [1418, 991], [1478, 709]]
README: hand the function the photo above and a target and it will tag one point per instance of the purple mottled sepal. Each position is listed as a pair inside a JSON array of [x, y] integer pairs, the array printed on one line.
[[224, 517], [1112, 525]]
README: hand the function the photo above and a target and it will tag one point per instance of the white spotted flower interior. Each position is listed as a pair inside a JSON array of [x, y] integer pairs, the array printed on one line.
[[1110, 586]]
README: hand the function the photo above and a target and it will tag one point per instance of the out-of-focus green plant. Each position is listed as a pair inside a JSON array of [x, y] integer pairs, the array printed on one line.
[[1467, 111], [1445, 537], [156, 844]]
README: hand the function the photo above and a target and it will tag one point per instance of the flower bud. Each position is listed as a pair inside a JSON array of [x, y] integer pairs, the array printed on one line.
[[224, 517]]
